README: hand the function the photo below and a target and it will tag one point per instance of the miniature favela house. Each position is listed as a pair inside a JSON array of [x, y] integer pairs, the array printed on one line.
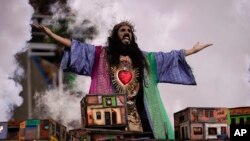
[[104, 117], [33, 129], [201, 123], [107, 111]]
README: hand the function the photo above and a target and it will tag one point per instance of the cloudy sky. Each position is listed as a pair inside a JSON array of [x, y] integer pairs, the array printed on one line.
[[221, 71], [15, 32]]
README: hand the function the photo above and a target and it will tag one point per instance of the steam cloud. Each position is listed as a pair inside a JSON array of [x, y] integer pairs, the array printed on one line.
[[15, 32], [62, 106]]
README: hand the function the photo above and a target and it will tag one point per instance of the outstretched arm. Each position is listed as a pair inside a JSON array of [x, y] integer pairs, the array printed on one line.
[[196, 48], [65, 41]]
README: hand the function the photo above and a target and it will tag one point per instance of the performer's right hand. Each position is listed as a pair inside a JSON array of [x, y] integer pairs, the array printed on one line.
[[65, 41], [44, 29]]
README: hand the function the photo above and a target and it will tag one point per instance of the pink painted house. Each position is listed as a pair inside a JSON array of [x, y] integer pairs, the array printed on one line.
[[201, 123]]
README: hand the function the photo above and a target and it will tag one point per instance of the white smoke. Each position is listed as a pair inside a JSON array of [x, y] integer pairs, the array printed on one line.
[[166, 25], [62, 106], [15, 32]]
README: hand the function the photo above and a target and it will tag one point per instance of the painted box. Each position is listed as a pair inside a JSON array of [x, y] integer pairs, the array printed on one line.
[[95, 134], [3, 130], [47, 129], [13, 129], [104, 111], [201, 123]]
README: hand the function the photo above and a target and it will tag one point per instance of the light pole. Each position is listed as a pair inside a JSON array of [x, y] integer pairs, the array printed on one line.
[[45, 50]]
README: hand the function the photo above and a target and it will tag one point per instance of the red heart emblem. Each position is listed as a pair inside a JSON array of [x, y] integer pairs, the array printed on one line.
[[125, 76]]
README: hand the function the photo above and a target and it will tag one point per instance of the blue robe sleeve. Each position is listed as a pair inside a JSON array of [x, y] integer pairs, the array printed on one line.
[[172, 68], [79, 58]]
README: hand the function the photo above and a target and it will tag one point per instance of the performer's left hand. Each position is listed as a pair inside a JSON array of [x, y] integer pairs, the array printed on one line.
[[196, 48]]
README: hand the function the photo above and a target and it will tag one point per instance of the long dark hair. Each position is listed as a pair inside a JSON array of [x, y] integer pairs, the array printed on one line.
[[117, 48]]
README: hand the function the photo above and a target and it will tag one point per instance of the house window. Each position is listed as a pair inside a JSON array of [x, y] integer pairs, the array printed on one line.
[[206, 113], [209, 113], [223, 130], [241, 121], [248, 120], [181, 118], [233, 121], [197, 130], [108, 101], [46, 124], [98, 115], [212, 131], [30, 133], [184, 133]]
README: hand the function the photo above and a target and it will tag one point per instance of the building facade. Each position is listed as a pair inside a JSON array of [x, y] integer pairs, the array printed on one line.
[[239, 115], [195, 123]]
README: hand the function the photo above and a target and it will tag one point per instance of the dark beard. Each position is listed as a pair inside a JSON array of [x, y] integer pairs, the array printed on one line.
[[125, 50], [116, 48]]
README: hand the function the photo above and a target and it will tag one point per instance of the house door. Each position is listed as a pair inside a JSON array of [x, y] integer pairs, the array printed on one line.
[[107, 118], [182, 133]]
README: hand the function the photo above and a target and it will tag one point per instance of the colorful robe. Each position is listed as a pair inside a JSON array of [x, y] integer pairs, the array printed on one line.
[[171, 67]]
